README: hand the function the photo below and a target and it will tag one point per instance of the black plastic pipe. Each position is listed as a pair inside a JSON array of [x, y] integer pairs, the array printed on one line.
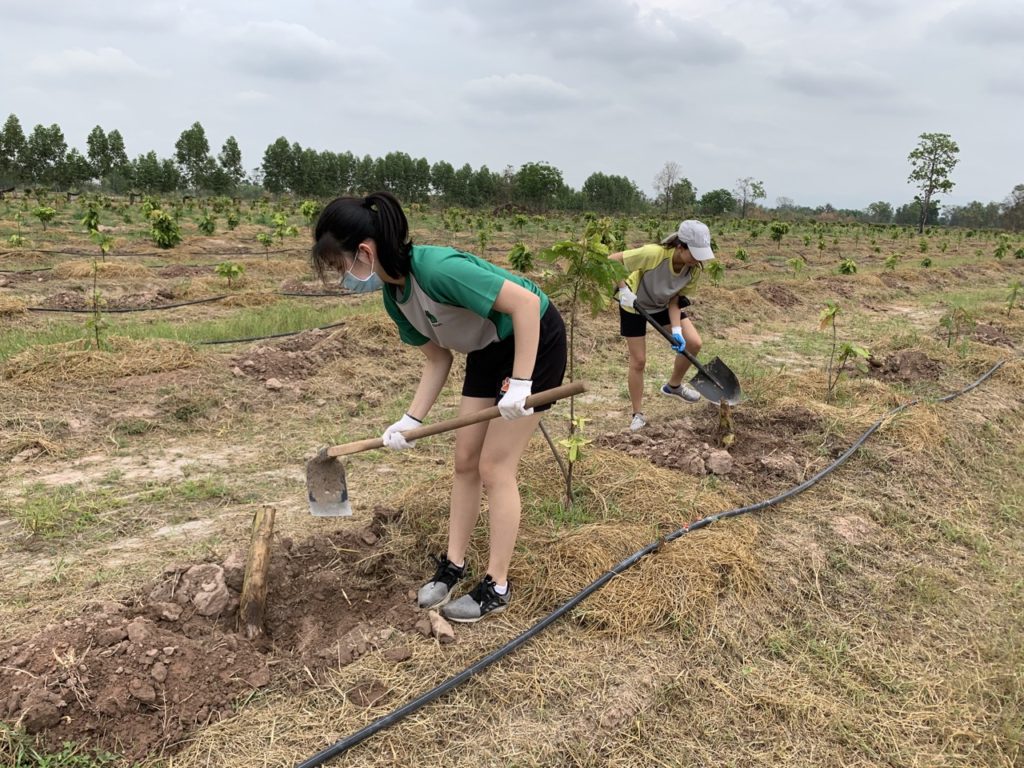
[[388, 720]]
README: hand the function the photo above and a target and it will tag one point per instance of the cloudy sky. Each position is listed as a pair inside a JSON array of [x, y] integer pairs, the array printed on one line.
[[820, 99]]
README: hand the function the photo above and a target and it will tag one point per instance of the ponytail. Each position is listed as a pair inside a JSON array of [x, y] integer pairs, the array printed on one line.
[[347, 221]]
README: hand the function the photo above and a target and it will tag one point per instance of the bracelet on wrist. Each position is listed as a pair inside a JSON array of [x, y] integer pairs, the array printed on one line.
[[418, 421]]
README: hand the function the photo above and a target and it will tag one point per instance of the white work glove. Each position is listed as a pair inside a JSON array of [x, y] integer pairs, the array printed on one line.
[[626, 297], [393, 437], [513, 403]]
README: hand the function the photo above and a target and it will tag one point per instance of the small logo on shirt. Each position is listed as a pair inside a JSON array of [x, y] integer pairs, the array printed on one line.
[[433, 320]]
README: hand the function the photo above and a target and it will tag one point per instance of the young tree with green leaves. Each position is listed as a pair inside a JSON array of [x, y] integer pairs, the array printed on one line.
[[931, 163]]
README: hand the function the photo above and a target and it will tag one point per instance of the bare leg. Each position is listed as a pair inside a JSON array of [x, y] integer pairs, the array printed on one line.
[[637, 348], [499, 462], [466, 485]]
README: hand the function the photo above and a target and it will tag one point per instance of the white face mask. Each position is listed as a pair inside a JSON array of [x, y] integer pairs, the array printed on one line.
[[371, 282]]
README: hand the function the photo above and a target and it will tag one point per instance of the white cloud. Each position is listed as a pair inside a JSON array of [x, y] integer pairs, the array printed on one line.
[[518, 93], [288, 51], [102, 62]]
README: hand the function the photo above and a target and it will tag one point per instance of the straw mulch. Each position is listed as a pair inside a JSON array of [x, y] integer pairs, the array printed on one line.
[[81, 361], [11, 307], [80, 269]]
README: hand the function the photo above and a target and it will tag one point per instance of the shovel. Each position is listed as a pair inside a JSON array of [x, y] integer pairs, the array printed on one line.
[[325, 475], [715, 381]]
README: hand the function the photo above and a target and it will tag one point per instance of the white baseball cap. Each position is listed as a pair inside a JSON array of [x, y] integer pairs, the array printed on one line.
[[696, 236]]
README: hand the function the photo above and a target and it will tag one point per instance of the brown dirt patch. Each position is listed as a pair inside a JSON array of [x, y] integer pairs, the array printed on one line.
[[779, 295], [780, 447], [311, 289], [80, 301], [138, 676], [907, 366], [297, 357], [991, 334]]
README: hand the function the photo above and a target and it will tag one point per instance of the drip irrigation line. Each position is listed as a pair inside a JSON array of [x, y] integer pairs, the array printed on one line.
[[275, 335], [24, 271], [123, 310], [384, 722], [91, 254], [120, 310]]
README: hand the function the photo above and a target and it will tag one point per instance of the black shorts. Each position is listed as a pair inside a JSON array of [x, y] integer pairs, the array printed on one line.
[[632, 325], [487, 368]]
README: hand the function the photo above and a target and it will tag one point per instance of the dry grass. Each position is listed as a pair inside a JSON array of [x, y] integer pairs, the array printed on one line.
[[80, 360], [250, 299], [875, 620], [104, 269], [11, 307]]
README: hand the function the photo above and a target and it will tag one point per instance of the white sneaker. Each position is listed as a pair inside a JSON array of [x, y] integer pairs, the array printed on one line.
[[684, 392], [638, 422]]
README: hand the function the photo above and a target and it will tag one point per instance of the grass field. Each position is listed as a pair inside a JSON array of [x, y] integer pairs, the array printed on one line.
[[875, 620]]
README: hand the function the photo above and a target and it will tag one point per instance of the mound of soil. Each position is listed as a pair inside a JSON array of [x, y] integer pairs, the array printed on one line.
[[137, 677], [772, 447], [297, 357], [77, 300], [991, 334], [311, 289], [779, 295], [907, 366], [184, 270]]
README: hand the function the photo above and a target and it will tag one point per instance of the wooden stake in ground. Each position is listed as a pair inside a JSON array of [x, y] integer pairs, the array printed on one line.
[[725, 425], [253, 606]]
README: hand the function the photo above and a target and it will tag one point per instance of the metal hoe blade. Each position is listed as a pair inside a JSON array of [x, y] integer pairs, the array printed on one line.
[[717, 383], [328, 491]]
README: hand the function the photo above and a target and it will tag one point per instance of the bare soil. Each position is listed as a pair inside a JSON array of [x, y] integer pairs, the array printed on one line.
[[136, 677]]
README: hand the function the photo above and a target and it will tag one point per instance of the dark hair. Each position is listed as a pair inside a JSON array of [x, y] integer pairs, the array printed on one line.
[[347, 221]]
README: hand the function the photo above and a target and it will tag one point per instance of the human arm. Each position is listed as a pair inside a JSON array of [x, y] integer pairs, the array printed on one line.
[[432, 378], [624, 293], [523, 307], [675, 319]]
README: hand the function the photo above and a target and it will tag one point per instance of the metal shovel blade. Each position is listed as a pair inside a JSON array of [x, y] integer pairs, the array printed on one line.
[[714, 374], [328, 491]]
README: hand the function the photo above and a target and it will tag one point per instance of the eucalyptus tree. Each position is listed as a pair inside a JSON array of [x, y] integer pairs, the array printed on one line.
[[12, 151], [192, 153], [45, 150], [931, 163], [747, 191]]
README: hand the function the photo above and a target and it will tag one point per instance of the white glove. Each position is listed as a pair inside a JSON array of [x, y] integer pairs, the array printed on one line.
[[626, 297], [513, 403], [393, 437]]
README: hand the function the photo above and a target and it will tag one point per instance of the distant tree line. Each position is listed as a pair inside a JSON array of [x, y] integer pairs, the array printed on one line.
[[42, 158]]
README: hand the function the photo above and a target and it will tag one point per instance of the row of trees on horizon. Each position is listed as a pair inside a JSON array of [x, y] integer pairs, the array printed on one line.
[[43, 159]]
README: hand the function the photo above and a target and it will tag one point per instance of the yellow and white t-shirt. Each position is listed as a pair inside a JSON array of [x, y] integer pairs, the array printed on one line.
[[652, 278]]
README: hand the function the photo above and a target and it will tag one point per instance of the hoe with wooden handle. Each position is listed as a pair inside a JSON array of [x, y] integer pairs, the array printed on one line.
[[325, 474]]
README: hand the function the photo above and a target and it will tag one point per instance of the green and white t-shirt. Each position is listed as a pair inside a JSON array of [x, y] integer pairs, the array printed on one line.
[[652, 278], [449, 299]]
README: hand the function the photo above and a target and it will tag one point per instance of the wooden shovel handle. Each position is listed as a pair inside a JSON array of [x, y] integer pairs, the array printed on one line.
[[542, 398]]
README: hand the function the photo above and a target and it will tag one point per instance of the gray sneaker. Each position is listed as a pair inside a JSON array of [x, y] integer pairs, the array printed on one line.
[[438, 590], [684, 392], [638, 422], [482, 601]]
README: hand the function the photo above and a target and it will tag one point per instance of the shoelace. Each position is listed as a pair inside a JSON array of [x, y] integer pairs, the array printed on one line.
[[446, 570]]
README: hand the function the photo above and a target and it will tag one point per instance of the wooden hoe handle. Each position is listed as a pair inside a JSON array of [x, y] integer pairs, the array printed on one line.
[[542, 398]]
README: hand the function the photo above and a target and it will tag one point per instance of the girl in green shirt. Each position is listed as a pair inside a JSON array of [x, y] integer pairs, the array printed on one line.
[[444, 300]]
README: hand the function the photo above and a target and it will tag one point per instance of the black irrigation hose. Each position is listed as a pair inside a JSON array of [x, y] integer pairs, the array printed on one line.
[[275, 335], [91, 254], [105, 310], [380, 724], [174, 306], [24, 271]]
